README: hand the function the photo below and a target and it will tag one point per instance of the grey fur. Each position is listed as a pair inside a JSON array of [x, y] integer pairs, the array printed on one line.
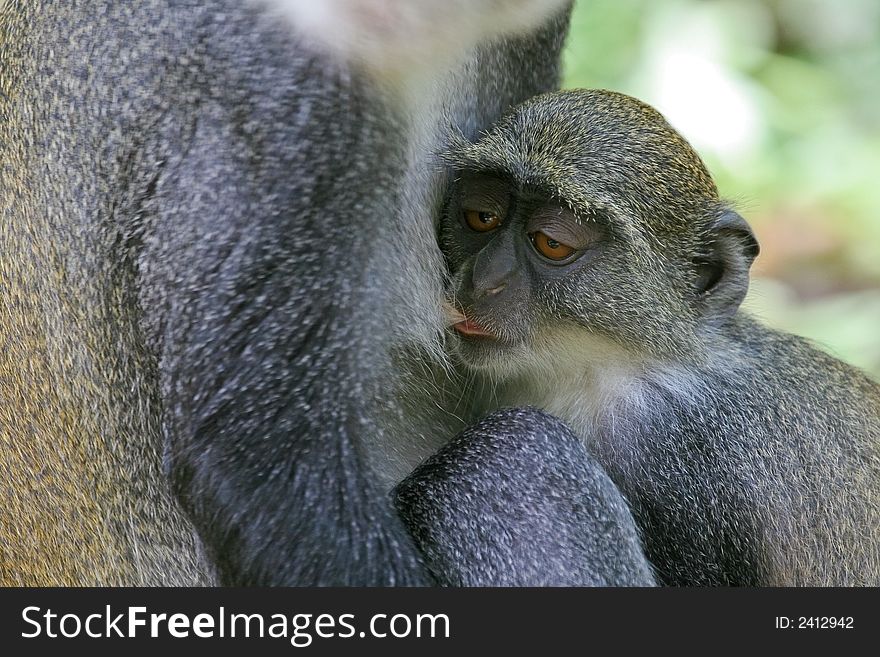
[[747, 455], [218, 242], [515, 500]]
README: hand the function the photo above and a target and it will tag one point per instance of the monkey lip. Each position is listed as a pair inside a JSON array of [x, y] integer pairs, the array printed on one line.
[[470, 328]]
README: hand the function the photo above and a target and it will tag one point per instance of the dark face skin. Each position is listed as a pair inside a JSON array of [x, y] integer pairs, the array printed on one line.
[[513, 254]]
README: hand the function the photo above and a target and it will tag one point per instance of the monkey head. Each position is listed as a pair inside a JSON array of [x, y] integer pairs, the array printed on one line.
[[582, 222]]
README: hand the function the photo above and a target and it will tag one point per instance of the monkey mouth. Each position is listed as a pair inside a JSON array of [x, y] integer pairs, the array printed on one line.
[[464, 325], [471, 329]]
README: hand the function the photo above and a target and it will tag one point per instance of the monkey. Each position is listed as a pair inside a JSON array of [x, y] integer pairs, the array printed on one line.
[[509, 534], [220, 290], [599, 277]]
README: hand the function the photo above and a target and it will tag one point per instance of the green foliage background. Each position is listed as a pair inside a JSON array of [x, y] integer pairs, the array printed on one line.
[[782, 99]]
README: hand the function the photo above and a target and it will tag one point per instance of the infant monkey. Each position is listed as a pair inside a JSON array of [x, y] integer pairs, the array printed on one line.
[[599, 277]]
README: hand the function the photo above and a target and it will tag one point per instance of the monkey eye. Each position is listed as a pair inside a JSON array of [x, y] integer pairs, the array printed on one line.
[[481, 222], [550, 248]]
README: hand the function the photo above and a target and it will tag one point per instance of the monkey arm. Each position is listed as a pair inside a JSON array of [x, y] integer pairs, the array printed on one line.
[[516, 500], [267, 377]]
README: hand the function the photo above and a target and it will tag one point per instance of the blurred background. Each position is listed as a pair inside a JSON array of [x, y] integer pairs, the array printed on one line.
[[782, 100]]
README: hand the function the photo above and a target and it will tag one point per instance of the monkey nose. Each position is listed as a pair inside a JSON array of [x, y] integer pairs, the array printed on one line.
[[489, 292]]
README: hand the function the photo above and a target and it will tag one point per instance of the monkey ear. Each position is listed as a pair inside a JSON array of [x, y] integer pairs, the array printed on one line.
[[723, 274]]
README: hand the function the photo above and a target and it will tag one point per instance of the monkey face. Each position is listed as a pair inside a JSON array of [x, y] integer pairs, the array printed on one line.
[[517, 258], [582, 219]]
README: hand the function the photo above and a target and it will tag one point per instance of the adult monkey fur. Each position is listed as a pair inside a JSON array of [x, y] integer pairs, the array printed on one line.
[[216, 249], [600, 278]]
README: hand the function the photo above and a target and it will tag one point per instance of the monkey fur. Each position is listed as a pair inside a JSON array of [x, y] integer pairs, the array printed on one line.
[[747, 456], [453, 497], [217, 259]]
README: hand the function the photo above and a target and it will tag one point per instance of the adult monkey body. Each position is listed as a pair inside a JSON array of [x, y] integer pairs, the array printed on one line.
[[601, 278], [214, 237]]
